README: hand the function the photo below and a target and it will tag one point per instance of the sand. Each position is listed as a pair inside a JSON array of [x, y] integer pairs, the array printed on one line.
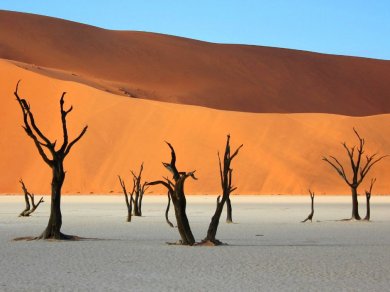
[[281, 154], [281, 104], [167, 68], [288, 256]]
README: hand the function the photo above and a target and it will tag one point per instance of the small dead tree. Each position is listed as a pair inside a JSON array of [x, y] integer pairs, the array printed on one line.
[[310, 217], [128, 198], [140, 189], [359, 169], [176, 192], [30, 208], [54, 158], [227, 188], [368, 197]]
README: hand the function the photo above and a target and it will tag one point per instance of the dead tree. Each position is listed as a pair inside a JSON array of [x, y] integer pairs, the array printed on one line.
[[30, 208], [140, 189], [227, 189], [54, 158], [310, 217], [176, 190], [128, 198], [359, 169], [368, 197]]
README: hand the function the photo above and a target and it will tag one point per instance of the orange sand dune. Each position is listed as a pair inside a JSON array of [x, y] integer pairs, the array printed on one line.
[[282, 152], [173, 69]]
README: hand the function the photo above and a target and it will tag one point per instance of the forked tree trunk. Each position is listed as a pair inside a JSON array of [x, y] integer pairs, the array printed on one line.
[[128, 198], [139, 191], [229, 211], [55, 160], [227, 188], [359, 169], [27, 208], [30, 208]]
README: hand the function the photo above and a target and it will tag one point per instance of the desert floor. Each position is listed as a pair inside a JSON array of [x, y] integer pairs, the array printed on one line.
[[269, 249]]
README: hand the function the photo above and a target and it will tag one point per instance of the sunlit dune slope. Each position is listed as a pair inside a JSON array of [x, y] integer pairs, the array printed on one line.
[[281, 154], [166, 68]]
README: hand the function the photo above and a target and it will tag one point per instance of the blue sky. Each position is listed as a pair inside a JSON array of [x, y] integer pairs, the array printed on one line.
[[344, 27]]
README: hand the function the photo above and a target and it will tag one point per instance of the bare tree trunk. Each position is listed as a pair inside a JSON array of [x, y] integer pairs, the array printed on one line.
[[179, 202], [310, 217], [355, 204], [53, 228], [213, 227], [187, 238], [140, 204], [368, 208], [368, 197], [136, 204], [229, 211]]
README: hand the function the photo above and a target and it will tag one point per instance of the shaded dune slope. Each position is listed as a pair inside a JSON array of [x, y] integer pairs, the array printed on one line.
[[172, 69]]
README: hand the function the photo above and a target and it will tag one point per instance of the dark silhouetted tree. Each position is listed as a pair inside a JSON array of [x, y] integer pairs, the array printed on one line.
[[30, 207], [310, 217], [128, 198], [227, 188], [140, 189], [54, 158], [176, 192], [359, 169], [368, 197]]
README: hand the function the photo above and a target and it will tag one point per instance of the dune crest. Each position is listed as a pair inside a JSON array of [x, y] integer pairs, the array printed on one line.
[[179, 70]]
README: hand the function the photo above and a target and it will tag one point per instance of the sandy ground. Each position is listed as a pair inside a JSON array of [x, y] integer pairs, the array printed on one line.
[[268, 248]]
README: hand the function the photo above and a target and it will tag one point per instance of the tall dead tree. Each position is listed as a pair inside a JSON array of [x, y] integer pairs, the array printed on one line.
[[128, 198], [368, 197], [30, 207], [54, 158], [227, 188], [140, 189], [310, 217], [176, 191], [359, 169]]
